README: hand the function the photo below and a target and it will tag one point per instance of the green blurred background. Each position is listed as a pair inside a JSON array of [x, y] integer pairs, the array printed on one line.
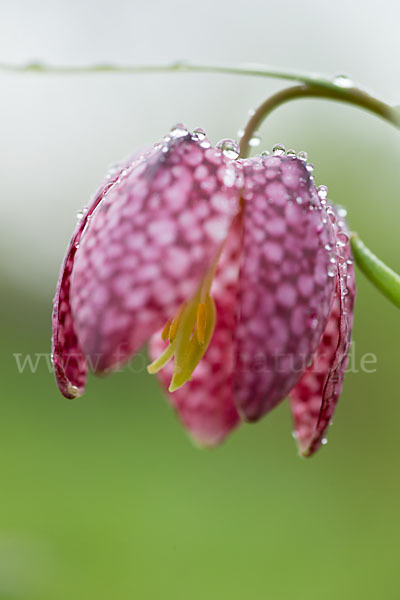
[[105, 496]]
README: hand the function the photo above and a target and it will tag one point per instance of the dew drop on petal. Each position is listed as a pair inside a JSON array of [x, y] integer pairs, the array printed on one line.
[[331, 271], [331, 214], [279, 150], [302, 155], [291, 152], [199, 134], [324, 441], [229, 148], [178, 131], [81, 213], [342, 239], [265, 153], [322, 192]]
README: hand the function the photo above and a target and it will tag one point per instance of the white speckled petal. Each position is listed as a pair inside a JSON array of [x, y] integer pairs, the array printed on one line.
[[147, 247], [286, 286]]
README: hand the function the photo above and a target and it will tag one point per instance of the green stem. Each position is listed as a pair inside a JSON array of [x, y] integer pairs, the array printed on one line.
[[351, 95], [178, 66], [382, 276]]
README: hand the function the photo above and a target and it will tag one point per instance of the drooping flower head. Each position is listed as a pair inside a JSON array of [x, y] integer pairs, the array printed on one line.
[[237, 272]]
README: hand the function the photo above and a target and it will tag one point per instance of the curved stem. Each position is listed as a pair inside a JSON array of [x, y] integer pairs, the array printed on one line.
[[383, 277], [350, 95], [177, 66]]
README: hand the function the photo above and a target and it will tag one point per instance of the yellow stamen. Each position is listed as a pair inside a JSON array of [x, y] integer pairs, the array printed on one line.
[[194, 350], [165, 331], [175, 323], [189, 332], [201, 322], [162, 360], [192, 329]]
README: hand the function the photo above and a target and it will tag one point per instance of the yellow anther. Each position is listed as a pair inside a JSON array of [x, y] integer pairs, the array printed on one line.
[[175, 323], [189, 333], [201, 322], [165, 331], [190, 353]]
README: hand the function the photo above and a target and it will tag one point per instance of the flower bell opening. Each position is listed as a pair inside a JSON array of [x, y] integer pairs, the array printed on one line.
[[189, 334]]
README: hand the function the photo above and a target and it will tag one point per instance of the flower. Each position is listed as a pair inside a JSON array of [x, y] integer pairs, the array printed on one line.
[[237, 271]]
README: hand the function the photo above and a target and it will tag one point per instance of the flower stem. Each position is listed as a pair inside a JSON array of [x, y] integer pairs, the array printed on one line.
[[382, 276], [351, 95], [177, 66]]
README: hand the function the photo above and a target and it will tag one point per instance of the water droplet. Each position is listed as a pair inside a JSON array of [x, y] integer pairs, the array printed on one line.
[[328, 247], [342, 239], [299, 200], [265, 153], [199, 134], [255, 140], [331, 271], [342, 212], [322, 192], [81, 213], [294, 435], [349, 261], [310, 167], [343, 81], [229, 148], [291, 152], [251, 112], [279, 150], [240, 133], [76, 245], [324, 441], [178, 131], [331, 213], [302, 155], [205, 143]]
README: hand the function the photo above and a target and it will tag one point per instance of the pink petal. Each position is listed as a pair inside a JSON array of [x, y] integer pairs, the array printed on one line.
[[286, 284], [148, 246], [69, 363], [315, 396], [205, 404]]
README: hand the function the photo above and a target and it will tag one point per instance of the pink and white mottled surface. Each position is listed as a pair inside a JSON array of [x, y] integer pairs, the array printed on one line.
[[283, 288]]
